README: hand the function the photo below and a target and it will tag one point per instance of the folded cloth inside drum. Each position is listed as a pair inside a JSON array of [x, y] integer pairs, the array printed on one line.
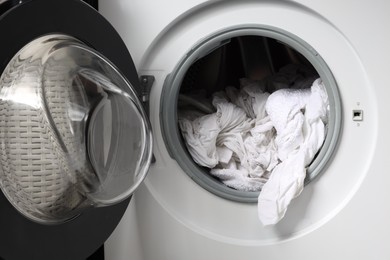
[[257, 141]]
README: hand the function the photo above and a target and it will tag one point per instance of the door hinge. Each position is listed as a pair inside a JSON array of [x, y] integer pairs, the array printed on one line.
[[146, 86]]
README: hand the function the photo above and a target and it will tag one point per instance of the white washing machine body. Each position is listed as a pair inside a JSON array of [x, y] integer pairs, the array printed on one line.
[[341, 214]]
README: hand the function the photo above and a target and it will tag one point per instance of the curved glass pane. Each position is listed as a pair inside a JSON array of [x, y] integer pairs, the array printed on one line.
[[70, 136]]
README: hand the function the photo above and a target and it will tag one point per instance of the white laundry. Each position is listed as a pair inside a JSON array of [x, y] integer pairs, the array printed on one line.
[[223, 138], [257, 141], [234, 173], [261, 149], [201, 133], [300, 133], [241, 99], [201, 136], [260, 145], [235, 176], [285, 109], [229, 115]]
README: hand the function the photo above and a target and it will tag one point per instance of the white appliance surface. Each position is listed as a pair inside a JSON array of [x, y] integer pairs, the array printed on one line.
[[342, 214]]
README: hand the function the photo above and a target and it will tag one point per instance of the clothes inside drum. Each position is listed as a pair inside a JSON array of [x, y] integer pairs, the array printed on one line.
[[254, 113]]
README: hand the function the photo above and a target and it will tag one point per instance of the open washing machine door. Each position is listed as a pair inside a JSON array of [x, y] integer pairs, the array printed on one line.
[[75, 140]]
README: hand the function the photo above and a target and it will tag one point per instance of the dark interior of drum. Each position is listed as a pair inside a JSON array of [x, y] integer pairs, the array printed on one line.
[[253, 57]]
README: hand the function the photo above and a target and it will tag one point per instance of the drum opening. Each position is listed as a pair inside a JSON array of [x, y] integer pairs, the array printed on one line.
[[227, 90]]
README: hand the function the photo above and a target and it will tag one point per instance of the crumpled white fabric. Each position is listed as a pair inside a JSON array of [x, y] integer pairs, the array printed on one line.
[[239, 150], [201, 132], [257, 141], [300, 125], [254, 153], [201, 136]]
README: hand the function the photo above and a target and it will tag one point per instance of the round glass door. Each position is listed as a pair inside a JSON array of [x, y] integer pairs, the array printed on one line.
[[73, 132]]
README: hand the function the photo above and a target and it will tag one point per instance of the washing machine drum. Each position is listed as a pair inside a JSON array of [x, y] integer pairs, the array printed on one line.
[[75, 141]]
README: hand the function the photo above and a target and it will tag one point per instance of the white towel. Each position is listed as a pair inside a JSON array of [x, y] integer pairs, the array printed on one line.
[[300, 134]]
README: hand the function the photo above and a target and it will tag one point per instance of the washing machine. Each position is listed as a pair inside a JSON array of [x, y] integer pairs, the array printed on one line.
[[75, 140], [180, 211]]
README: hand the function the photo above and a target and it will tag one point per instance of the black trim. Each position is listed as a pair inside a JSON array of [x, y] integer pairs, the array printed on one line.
[[5, 6], [93, 3], [98, 255], [21, 238]]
